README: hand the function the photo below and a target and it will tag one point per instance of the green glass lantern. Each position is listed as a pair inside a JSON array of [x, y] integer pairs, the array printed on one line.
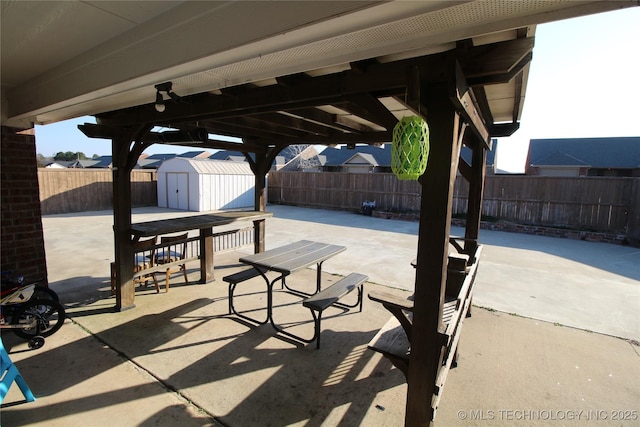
[[410, 148]]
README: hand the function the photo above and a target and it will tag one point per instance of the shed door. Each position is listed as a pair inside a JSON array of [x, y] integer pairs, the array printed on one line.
[[177, 190]]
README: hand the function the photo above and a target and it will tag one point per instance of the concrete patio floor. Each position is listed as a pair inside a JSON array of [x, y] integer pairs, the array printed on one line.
[[555, 344]]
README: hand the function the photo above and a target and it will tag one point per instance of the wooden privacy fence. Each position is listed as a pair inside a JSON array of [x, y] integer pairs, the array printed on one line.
[[595, 204], [79, 190]]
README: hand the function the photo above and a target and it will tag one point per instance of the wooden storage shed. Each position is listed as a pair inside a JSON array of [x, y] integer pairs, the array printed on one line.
[[205, 185]]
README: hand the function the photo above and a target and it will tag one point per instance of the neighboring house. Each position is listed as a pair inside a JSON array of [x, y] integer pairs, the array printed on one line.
[[234, 156], [102, 162], [492, 158], [361, 159], [616, 156], [368, 158], [148, 163], [307, 160], [302, 157], [77, 164], [55, 165], [196, 154], [162, 157]]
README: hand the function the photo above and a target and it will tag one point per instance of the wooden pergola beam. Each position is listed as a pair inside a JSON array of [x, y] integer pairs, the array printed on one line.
[[301, 91], [370, 108], [360, 138], [464, 100], [327, 119], [491, 63]]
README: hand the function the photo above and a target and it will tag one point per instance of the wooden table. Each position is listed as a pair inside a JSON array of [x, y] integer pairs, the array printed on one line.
[[208, 225], [286, 260]]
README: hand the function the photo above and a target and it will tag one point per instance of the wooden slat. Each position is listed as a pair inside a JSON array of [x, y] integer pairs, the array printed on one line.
[[391, 338], [333, 293], [222, 221], [292, 257], [388, 298]]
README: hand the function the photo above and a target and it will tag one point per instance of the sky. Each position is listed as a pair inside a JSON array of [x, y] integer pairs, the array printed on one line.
[[583, 82]]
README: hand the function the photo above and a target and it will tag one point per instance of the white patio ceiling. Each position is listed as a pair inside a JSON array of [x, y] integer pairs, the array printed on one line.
[[65, 59]]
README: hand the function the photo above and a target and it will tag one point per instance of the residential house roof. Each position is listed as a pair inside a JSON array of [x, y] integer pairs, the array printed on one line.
[[162, 156], [491, 154], [102, 162], [227, 155], [284, 157], [362, 158], [340, 156], [196, 154], [614, 152], [560, 159], [148, 163], [381, 156]]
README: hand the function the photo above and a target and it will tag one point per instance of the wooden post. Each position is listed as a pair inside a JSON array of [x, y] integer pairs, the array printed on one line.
[[260, 167], [125, 290], [435, 218], [207, 251], [476, 189], [260, 205]]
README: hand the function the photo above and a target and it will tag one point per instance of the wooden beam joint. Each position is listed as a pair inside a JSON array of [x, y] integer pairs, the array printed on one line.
[[464, 101]]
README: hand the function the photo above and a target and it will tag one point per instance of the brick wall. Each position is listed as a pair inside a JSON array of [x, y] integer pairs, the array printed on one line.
[[22, 247]]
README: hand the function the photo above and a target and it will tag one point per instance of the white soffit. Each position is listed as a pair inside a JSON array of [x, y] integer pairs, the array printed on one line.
[[186, 45]]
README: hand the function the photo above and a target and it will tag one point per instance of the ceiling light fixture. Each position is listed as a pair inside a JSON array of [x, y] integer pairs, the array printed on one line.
[[164, 87], [159, 102]]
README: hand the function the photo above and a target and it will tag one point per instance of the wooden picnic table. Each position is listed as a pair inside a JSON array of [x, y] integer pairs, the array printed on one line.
[[209, 225]]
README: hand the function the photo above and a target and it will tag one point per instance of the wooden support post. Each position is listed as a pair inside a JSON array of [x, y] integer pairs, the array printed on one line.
[[474, 204], [435, 218], [260, 167], [260, 205], [125, 292], [206, 255]]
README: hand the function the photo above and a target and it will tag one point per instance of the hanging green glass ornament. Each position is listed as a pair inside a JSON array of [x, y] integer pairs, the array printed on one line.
[[410, 148]]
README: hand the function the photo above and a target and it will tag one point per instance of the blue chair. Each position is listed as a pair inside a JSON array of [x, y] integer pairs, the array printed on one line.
[[9, 373]]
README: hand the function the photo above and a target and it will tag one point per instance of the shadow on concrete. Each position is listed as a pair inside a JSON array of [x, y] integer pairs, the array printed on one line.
[[223, 364]]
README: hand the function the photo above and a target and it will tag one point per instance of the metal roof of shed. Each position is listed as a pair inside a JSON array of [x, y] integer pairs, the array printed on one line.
[[205, 167]]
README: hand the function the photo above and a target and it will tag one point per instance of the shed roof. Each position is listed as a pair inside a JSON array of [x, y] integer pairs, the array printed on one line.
[[206, 167]]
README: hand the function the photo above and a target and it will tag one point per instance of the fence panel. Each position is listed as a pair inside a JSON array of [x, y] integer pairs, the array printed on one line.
[[593, 203], [79, 190]]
